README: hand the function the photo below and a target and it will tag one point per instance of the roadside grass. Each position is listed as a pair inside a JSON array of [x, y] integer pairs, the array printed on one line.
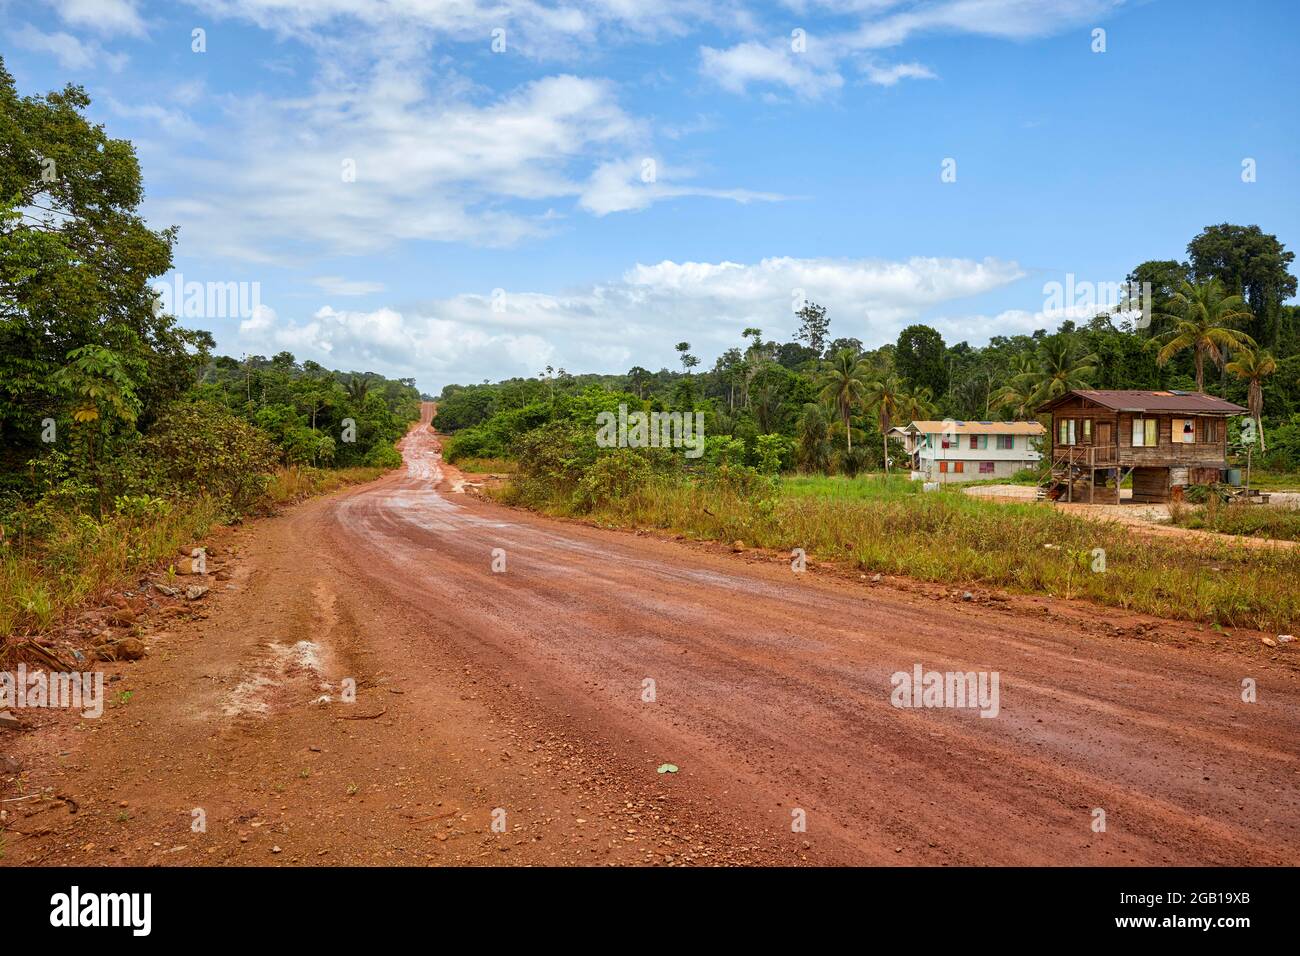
[[1271, 480], [1240, 518], [947, 536], [864, 487], [77, 557], [486, 466], [300, 481]]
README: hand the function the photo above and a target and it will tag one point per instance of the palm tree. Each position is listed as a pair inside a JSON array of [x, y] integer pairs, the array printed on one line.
[[1254, 367], [1060, 369], [815, 436], [1203, 317], [915, 404], [843, 384], [1018, 395], [357, 386], [883, 395]]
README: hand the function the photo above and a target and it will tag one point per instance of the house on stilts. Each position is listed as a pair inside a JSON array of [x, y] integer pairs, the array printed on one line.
[[1166, 440]]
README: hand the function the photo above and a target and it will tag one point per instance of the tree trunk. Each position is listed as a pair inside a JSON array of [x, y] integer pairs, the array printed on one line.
[[1200, 371]]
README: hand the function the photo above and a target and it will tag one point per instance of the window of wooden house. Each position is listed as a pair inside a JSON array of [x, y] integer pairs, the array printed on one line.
[[1065, 431], [1184, 431], [1145, 434], [1208, 429], [1006, 442], [986, 468], [1087, 431]]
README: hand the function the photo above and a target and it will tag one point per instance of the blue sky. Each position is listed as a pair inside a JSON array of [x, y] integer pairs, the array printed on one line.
[[625, 176]]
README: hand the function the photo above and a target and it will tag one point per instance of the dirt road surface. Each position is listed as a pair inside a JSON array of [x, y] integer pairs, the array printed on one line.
[[518, 697]]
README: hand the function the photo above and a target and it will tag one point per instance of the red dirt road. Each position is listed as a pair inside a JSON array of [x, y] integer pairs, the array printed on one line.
[[521, 692]]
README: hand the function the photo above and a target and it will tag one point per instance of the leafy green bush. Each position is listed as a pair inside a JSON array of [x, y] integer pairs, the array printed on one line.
[[202, 449], [616, 474], [384, 456], [774, 453]]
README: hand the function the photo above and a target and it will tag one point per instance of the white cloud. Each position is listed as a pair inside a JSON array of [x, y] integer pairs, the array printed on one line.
[[359, 165], [70, 52], [336, 285], [890, 75], [643, 313], [536, 29], [1004, 19], [737, 67], [622, 185], [174, 122], [103, 16], [873, 25]]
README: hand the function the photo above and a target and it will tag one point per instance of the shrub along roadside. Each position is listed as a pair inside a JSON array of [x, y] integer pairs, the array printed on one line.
[[78, 556], [953, 538]]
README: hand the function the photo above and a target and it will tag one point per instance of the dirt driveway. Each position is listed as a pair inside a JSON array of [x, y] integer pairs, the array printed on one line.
[[520, 682]]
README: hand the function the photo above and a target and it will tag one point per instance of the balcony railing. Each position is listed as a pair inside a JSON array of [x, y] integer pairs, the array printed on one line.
[[1085, 456]]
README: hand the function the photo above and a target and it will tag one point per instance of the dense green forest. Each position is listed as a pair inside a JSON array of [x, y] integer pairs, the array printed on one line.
[[106, 399], [121, 435], [1219, 322]]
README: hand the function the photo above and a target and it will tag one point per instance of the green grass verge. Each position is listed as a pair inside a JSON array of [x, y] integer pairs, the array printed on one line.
[[951, 537]]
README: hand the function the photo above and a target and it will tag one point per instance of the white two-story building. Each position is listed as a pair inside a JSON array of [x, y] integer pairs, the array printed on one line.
[[946, 451]]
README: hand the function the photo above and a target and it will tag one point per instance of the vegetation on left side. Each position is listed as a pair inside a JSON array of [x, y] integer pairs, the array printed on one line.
[[122, 437]]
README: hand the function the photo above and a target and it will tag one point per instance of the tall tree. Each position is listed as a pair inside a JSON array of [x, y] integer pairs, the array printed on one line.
[[813, 326], [1205, 319], [639, 379], [1060, 368], [76, 258], [814, 436], [1019, 396], [842, 384], [1252, 264], [1253, 367], [919, 358], [1164, 276], [884, 396], [688, 360]]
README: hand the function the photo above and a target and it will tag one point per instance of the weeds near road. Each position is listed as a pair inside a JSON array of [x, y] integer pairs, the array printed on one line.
[[299, 481], [77, 556], [947, 536], [51, 561], [1253, 520]]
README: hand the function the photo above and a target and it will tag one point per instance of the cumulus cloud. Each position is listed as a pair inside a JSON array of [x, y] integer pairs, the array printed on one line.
[[357, 166], [473, 336]]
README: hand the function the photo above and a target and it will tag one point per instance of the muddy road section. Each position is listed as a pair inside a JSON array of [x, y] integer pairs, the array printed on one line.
[[520, 682]]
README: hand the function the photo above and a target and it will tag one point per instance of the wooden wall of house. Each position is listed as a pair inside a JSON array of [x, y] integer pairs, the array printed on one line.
[[1198, 455], [1150, 484], [1167, 451]]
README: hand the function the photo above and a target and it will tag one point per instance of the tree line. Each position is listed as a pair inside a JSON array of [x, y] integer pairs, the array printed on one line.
[[1218, 322], [104, 397]]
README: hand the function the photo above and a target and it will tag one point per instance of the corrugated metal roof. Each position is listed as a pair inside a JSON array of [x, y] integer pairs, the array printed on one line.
[[1139, 400], [981, 428]]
